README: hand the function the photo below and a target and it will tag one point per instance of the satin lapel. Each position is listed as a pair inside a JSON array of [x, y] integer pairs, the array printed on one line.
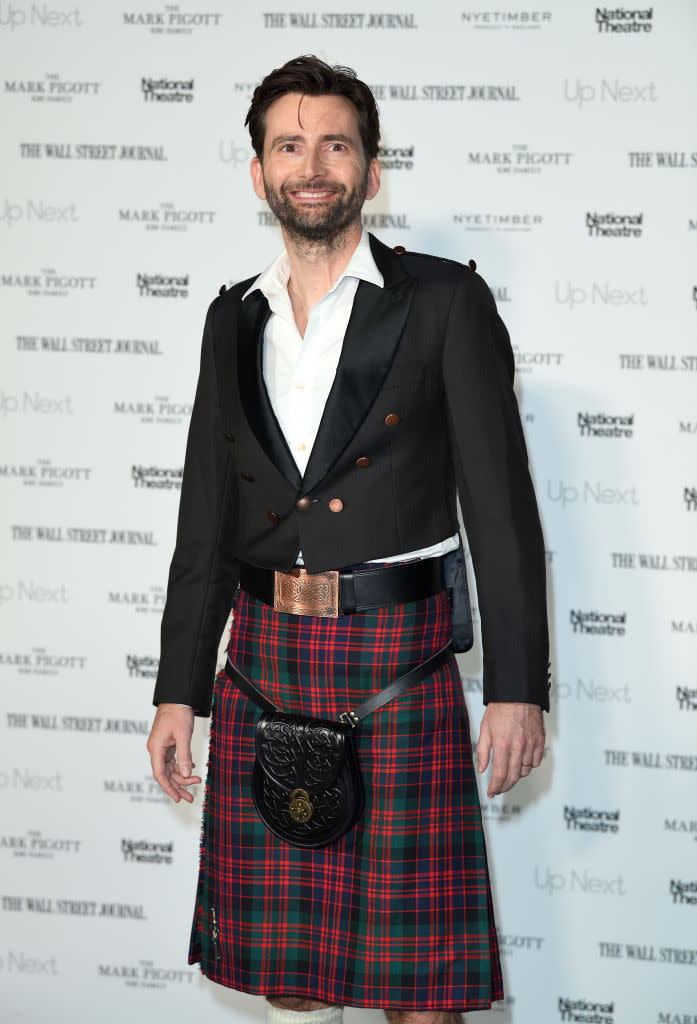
[[370, 343], [258, 410]]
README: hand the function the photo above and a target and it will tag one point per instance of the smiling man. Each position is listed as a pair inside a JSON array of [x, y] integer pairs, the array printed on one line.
[[347, 395]]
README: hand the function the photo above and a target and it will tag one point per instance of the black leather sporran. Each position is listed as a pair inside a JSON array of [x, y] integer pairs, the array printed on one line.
[[306, 782]]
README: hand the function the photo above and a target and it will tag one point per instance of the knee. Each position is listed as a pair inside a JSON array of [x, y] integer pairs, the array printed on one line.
[[297, 1003]]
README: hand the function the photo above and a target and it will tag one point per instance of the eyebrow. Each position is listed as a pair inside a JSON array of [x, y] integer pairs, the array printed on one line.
[[325, 138]]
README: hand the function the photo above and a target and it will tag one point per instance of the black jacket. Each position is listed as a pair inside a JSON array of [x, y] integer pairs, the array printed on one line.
[[423, 390]]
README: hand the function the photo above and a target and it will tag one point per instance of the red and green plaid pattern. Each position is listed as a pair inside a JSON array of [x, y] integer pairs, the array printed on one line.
[[395, 914]]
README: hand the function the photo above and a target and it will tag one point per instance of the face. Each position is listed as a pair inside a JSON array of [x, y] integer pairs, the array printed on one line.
[[314, 175]]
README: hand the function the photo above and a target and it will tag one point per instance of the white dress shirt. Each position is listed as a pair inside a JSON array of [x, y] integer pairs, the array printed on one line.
[[299, 371]]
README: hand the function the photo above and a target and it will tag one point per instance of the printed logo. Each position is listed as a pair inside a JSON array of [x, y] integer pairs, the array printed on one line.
[[608, 92], [604, 294], [588, 819], [396, 158], [165, 90], [40, 16], [598, 623], [73, 908], [155, 477], [613, 225], [675, 161], [51, 88], [493, 20], [33, 844], [619, 19], [684, 893], [88, 151], [142, 666], [142, 851], [161, 286], [172, 20], [572, 881], [601, 424], [689, 495], [651, 759], [655, 562], [686, 698], [166, 217], [583, 1010]]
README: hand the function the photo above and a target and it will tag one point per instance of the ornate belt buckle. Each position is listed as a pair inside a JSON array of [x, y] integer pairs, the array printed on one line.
[[300, 592]]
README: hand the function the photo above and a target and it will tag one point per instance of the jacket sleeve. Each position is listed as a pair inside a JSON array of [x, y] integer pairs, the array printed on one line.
[[203, 575], [498, 502]]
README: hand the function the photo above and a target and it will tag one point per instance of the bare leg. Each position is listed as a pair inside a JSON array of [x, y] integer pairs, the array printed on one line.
[[424, 1017]]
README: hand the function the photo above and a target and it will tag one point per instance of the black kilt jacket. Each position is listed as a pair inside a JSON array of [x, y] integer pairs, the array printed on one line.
[[421, 406]]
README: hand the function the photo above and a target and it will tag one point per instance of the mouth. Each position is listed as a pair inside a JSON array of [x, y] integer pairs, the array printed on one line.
[[312, 195]]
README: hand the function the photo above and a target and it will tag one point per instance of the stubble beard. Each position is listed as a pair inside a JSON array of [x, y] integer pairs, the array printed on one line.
[[320, 228]]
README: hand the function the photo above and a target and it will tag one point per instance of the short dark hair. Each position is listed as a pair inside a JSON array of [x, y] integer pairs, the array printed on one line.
[[310, 76]]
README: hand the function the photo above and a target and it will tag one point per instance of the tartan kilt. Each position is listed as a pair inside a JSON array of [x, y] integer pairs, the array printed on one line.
[[397, 913]]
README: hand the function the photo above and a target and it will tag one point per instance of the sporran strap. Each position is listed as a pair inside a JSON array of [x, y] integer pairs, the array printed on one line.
[[366, 707]]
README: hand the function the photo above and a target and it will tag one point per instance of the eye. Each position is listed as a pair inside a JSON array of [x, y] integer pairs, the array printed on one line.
[[288, 147], [337, 147]]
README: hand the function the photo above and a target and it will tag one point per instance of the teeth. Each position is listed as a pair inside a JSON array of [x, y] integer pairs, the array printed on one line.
[[311, 195]]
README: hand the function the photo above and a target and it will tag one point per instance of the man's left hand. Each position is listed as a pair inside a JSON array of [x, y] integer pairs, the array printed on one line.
[[515, 734]]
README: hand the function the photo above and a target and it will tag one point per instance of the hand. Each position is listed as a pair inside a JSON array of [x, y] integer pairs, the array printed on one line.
[[169, 746], [516, 735]]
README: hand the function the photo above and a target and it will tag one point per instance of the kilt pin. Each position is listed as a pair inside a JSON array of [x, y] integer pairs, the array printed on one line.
[[398, 912]]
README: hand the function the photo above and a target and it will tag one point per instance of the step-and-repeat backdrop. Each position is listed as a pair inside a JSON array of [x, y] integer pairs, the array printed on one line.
[[555, 145]]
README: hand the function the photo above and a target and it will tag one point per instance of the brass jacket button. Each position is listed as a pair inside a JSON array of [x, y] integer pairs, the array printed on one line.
[[228, 436], [248, 477], [392, 420], [304, 502], [364, 462], [399, 249], [336, 504], [272, 517]]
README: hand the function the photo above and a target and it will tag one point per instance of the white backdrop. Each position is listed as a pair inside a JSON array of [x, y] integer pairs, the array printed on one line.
[[556, 146]]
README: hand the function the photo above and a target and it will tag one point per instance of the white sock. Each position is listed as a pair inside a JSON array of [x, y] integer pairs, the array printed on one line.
[[325, 1015]]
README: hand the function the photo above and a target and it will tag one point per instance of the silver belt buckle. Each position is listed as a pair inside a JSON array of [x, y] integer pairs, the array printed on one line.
[[300, 592]]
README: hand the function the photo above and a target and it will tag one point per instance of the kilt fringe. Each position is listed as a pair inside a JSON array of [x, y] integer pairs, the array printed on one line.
[[397, 914]]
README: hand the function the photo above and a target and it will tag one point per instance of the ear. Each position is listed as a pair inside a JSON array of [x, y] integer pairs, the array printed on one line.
[[373, 179], [257, 175]]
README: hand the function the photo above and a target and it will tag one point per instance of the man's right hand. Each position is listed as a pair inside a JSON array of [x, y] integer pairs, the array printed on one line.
[[169, 746]]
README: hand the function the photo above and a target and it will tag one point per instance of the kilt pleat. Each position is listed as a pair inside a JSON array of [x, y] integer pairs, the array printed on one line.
[[398, 912]]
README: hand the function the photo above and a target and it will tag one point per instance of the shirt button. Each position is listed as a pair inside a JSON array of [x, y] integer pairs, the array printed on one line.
[[299, 384], [301, 447]]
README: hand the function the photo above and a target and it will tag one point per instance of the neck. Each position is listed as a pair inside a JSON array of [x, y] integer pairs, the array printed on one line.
[[315, 266]]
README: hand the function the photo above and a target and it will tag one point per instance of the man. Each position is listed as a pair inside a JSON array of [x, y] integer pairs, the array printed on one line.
[[343, 396]]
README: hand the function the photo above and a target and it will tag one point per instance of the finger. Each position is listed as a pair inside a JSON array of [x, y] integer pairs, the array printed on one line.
[[184, 760], [180, 780], [160, 773], [483, 748], [528, 762], [499, 771]]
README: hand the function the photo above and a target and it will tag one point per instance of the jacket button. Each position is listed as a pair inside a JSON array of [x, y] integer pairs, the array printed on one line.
[[248, 477], [399, 249], [272, 517], [392, 420], [228, 436], [364, 462], [336, 504], [303, 502]]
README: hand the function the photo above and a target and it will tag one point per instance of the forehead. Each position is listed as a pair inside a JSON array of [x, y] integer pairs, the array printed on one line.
[[298, 114]]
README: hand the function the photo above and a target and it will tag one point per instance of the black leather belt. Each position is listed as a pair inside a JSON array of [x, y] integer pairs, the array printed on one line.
[[336, 592]]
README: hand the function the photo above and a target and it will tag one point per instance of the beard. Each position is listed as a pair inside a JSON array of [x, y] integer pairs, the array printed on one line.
[[322, 224]]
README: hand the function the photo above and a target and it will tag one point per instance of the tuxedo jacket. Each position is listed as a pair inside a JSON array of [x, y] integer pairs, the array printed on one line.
[[421, 408]]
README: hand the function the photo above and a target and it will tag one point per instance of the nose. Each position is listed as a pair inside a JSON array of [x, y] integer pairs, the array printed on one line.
[[312, 163]]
